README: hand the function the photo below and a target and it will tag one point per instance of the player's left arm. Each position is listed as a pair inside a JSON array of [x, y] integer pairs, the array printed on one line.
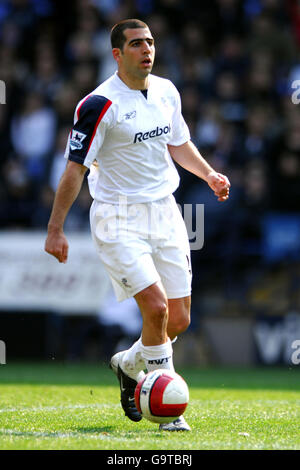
[[188, 156]]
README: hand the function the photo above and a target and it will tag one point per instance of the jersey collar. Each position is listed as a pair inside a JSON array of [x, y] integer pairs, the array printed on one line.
[[123, 85]]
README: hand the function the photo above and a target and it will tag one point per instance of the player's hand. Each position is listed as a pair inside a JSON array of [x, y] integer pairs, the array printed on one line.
[[219, 184], [57, 245]]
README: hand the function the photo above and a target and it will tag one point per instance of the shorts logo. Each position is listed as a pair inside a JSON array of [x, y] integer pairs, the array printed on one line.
[[76, 140], [125, 282], [140, 136]]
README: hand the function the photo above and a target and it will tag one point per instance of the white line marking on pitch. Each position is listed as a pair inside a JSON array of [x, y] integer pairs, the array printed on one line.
[[57, 408], [56, 434]]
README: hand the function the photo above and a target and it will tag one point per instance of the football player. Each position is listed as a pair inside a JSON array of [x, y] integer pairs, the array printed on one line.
[[128, 132]]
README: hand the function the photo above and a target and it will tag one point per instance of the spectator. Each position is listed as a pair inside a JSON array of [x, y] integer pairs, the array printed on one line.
[[32, 134], [18, 200]]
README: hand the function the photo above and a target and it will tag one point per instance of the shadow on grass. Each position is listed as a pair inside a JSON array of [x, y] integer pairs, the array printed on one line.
[[66, 374], [112, 430]]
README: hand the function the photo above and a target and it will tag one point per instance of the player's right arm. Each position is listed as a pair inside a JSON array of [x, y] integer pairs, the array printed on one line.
[[84, 141], [68, 189]]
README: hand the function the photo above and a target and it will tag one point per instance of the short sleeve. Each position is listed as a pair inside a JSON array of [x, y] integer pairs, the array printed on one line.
[[180, 132], [88, 132]]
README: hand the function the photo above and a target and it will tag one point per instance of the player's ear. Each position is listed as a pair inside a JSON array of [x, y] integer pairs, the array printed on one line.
[[116, 52]]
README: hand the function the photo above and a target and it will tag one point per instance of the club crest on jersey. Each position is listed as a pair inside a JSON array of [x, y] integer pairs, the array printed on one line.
[[76, 139]]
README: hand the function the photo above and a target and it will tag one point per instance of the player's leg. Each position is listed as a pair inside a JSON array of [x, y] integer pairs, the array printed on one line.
[[178, 322], [156, 347], [153, 348], [153, 304], [162, 318], [179, 316], [152, 351]]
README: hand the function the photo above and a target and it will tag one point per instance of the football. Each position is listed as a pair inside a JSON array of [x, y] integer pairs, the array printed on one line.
[[161, 396]]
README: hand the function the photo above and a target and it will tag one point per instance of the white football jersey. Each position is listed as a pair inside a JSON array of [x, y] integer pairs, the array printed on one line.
[[121, 135]]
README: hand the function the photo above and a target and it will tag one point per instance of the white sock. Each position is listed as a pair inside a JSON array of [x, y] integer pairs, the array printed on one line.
[[158, 357], [132, 362]]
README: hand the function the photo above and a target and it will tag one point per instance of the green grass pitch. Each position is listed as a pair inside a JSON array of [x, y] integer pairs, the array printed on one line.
[[73, 406]]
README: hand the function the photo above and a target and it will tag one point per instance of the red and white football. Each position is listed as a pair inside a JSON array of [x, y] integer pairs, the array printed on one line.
[[161, 396]]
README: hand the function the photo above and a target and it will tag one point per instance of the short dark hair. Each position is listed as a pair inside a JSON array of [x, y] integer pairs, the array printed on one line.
[[117, 37]]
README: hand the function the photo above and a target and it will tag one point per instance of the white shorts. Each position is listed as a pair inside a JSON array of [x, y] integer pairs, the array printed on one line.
[[140, 244]]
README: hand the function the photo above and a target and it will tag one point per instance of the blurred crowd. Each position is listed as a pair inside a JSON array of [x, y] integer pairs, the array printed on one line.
[[234, 63]]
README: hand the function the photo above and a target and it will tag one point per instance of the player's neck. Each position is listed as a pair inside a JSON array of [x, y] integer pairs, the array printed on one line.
[[132, 82]]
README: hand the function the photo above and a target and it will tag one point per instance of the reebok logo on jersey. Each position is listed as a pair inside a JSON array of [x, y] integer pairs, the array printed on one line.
[[130, 115], [76, 140], [140, 136]]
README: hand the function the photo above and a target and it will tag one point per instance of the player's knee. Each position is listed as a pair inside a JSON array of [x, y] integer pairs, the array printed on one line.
[[182, 324], [185, 323], [179, 324], [159, 313]]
